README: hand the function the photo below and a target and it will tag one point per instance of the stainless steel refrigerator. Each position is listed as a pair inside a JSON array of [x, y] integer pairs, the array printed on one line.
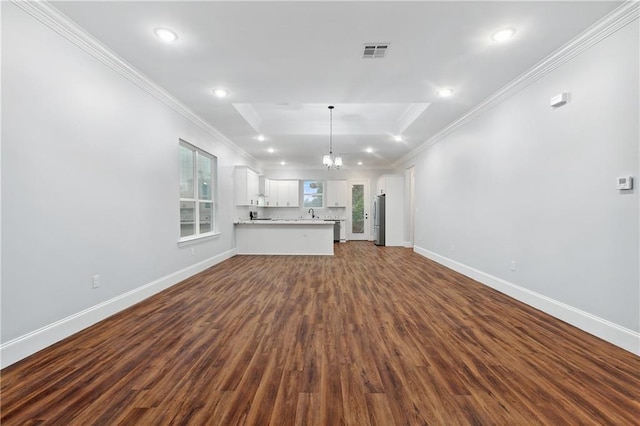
[[378, 220]]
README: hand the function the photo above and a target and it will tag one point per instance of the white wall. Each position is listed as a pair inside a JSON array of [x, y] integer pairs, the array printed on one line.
[[527, 183], [409, 208], [89, 186]]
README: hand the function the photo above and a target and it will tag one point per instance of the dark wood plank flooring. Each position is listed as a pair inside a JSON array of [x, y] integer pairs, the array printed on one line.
[[372, 335]]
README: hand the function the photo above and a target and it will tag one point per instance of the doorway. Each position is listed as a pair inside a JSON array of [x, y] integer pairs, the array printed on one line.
[[358, 223]]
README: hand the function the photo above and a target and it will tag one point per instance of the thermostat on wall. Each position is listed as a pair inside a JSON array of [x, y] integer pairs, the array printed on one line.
[[625, 182]]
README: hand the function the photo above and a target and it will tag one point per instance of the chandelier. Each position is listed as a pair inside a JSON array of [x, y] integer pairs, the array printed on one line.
[[329, 160]]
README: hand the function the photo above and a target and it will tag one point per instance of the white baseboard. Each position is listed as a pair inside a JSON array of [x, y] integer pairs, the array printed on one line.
[[407, 244], [606, 330], [30, 343]]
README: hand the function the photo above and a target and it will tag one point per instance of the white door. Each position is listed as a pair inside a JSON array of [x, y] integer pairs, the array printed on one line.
[[358, 210]]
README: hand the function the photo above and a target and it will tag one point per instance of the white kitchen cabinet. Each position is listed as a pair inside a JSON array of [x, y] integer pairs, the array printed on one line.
[[284, 193], [381, 185], [247, 186], [272, 199], [293, 193], [253, 187], [267, 187], [264, 191], [336, 193]]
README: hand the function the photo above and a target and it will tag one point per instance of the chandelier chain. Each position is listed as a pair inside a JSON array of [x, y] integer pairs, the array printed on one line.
[[328, 160], [331, 130]]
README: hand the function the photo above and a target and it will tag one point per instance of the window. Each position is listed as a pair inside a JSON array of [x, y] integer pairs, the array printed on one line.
[[313, 193], [197, 192]]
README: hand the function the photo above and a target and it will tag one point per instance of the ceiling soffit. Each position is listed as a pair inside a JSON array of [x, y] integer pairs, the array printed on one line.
[[348, 118]]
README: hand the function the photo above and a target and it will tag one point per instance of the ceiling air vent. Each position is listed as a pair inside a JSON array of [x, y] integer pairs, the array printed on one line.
[[375, 50]]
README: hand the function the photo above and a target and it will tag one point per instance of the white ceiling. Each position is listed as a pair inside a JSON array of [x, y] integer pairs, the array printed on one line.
[[315, 119], [285, 62]]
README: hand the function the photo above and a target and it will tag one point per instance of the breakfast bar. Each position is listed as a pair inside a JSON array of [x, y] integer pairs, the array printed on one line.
[[284, 237]]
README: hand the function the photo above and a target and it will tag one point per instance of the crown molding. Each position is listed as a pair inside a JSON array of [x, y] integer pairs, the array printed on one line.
[[610, 24], [58, 22]]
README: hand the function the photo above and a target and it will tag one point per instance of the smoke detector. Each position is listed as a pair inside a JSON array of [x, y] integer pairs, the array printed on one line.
[[375, 50]]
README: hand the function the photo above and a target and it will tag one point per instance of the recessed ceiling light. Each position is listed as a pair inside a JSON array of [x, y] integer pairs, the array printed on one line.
[[503, 34], [445, 93], [261, 138], [397, 138], [220, 92], [165, 35], [282, 163], [271, 150], [359, 163], [369, 150]]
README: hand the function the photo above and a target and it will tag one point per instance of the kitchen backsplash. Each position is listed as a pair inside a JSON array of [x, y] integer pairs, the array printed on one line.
[[291, 213]]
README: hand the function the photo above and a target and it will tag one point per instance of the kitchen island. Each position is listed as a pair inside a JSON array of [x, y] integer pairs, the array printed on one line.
[[284, 237]]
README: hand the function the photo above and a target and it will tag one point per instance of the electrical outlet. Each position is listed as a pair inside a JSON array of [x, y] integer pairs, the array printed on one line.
[[193, 251], [96, 281], [513, 265]]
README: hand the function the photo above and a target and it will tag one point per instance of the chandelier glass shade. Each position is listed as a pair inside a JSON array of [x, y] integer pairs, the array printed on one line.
[[328, 160]]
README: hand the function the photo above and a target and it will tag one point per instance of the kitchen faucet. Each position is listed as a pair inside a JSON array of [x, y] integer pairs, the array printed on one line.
[[313, 214]]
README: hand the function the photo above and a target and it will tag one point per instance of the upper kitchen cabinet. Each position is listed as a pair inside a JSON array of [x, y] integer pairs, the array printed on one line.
[[293, 193], [264, 191], [336, 195], [381, 185], [389, 183], [247, 186], [284, 193]]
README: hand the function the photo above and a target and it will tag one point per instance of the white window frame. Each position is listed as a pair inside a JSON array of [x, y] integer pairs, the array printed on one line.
[[324, 193], [197, 152]]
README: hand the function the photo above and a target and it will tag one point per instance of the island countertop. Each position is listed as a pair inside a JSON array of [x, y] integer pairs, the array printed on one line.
[[286, 222], [284, 237]]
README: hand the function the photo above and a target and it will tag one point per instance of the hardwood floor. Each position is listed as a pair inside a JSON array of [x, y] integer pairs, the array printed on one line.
[[372, 335]]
